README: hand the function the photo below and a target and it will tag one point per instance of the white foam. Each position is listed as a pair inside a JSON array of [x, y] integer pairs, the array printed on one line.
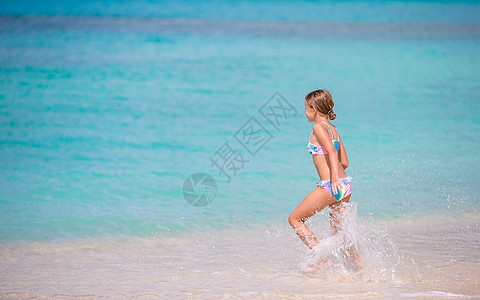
[[433, 294]]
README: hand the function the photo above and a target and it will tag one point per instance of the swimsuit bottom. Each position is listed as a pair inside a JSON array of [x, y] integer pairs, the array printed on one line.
[[343, 192]]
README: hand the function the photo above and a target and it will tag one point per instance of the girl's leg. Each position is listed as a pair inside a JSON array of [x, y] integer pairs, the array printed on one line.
[[317, 200], [336, 211]]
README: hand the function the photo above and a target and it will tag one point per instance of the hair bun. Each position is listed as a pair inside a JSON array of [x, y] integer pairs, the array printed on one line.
[[331, 115]]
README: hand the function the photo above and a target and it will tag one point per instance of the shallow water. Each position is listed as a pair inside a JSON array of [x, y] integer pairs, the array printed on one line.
[[409, 258], [101, 127]]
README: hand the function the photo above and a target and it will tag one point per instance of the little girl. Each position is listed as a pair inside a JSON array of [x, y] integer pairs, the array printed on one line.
[[330, 160]]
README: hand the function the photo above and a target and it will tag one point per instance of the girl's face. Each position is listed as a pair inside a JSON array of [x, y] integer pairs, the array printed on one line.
[[309, 112]]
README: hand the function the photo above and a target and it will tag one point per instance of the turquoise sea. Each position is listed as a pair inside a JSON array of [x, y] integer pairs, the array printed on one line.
[[106, 108]]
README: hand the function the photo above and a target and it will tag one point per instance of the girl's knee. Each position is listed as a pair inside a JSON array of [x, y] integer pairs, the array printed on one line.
[[291, 220], [294, 220]]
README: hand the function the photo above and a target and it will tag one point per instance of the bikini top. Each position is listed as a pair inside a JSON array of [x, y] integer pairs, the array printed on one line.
[[317, 149]]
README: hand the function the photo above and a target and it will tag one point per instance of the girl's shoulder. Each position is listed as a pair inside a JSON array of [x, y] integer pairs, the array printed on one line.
[[319, 127], [324, 127]]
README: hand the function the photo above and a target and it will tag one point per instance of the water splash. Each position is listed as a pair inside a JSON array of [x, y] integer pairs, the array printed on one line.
[[355, 252]]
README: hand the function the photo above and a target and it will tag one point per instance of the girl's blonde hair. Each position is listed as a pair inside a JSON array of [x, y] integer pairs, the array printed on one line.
[[322, 101]]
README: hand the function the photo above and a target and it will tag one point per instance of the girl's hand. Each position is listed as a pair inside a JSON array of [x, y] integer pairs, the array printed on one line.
[[336, 186]]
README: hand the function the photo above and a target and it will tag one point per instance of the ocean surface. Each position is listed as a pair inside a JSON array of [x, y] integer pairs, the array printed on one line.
[[108, 108]]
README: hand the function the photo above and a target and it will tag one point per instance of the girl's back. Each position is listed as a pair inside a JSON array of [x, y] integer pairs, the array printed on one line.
[[320, 155]]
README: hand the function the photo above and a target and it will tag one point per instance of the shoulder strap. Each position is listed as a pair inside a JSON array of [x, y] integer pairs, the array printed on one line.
[[331, 134]]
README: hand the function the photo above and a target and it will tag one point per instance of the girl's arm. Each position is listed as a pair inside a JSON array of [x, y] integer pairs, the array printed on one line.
[[343, 154], [324, 137]]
